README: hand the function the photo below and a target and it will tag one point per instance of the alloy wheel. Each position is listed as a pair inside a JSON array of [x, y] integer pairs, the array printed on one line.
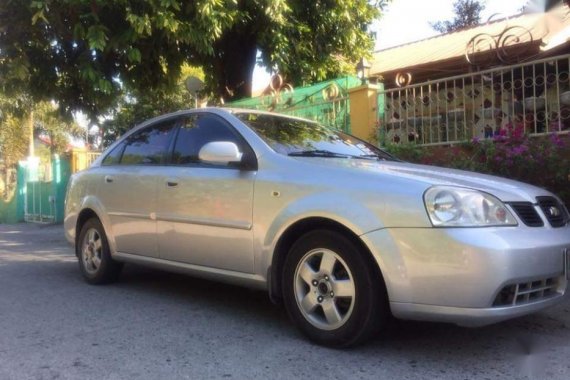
[[92, 251], [324, 289]]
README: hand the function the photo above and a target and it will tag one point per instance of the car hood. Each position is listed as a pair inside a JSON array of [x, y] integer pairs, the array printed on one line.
[[505, 189]]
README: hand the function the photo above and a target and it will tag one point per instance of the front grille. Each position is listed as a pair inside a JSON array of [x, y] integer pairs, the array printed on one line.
[[553, 210], [527, 213], [526, 292]]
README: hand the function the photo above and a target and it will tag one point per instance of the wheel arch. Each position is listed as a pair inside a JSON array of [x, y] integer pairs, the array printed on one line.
[[90, 210], [82, 218], [300, 228]]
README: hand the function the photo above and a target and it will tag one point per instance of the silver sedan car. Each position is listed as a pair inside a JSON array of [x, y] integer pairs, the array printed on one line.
[[340, 232]]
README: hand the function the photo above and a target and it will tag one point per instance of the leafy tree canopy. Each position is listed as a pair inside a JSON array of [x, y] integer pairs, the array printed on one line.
[[138, 106], [47, 122], [59, 129], [467, 14], [13, 136], [84, 53]]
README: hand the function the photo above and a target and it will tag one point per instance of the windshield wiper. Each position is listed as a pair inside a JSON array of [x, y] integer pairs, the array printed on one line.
[[328, 153], [381, 157], [317, 153]]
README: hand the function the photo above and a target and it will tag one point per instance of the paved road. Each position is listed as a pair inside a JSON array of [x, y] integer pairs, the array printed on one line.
[[154, 325]]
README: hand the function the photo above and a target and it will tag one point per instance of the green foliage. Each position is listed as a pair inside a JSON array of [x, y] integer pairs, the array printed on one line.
[[13, 133], [541, 161], [14, 129], [320, 40], [86, 53], [406, 152], [467, 14], [59, 129], [544, 162], [13, 140], [138, 106]]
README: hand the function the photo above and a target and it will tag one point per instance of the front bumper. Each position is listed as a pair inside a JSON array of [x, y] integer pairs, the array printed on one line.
[[468, 317], [471, 276]]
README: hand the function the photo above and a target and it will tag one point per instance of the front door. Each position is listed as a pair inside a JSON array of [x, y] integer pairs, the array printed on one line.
[[205, 211]]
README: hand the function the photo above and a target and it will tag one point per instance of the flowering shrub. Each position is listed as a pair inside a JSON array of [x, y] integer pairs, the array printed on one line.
[[542, 161]]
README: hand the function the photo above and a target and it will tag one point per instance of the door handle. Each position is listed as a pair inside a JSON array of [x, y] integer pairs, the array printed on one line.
[[108, 179]]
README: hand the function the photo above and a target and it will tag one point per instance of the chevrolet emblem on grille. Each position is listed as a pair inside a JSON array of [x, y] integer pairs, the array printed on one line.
[[553, 211]]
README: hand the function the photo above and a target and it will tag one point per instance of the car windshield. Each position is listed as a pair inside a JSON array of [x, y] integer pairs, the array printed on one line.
[[294, 137]]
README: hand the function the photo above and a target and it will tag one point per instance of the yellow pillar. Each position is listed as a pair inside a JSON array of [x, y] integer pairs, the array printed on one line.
[[78, 159], [363, 111]]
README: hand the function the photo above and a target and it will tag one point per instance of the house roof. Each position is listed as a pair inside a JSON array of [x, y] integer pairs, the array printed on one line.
[[540, 28]]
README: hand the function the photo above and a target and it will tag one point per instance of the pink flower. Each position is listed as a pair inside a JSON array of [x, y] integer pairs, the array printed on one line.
[[517, 150]]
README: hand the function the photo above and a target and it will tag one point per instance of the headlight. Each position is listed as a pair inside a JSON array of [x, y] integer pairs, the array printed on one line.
[[460, 207]]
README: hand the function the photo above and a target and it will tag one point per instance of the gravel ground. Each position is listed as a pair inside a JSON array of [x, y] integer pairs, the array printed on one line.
[[153, 325]]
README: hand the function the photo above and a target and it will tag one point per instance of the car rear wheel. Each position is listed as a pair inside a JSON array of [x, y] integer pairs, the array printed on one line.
[[331, 290], [95, 262]]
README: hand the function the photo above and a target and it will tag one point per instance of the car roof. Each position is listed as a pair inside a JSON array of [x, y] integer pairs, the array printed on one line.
[[218, 110], [269, 113]]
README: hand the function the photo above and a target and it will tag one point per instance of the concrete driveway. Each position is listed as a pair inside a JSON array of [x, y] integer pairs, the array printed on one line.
[[155, 325]]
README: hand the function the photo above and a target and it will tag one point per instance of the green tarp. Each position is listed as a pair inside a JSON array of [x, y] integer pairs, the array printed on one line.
[[326, 102]]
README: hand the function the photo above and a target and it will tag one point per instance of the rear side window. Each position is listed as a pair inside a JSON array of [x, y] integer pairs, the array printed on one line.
[[114, 156], [198, 130], [149, 145]]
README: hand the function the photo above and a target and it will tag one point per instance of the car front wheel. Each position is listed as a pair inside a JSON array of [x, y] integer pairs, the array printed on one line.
[[332, 291], [95, 262]]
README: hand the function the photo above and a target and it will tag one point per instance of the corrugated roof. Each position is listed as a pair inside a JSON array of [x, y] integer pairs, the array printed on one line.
[[521, 29]]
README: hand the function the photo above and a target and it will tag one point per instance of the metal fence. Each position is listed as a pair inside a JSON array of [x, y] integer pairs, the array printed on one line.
[[91, 157], [82, 159], [532, 96]]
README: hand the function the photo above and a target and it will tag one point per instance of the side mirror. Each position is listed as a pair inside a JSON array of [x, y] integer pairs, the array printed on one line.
[[220, 152]]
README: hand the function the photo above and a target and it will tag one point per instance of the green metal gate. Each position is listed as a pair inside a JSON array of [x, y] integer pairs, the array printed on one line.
[[44, 186]]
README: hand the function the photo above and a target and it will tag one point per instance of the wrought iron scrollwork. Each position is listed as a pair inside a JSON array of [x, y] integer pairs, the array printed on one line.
[[331, 92], [278, 92], [501, 44], [403, 79]]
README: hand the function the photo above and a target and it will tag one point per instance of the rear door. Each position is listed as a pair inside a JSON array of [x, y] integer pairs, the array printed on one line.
[[128, 187]]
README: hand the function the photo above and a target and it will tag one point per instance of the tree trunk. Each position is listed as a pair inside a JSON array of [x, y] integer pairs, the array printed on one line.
[[52, 146], [6, 183], [234, 67], [31, 132]]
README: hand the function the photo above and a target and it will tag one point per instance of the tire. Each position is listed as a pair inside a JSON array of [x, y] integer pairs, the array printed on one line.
[[332, 291], [95, 262]]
